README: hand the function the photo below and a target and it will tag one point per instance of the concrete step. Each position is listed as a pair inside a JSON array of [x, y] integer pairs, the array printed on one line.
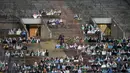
[[71, 30], [67, 36], [66, 33], [64, 30]]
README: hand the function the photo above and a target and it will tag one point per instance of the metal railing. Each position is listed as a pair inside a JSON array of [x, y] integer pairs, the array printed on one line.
[[24, 26], [50, 32]]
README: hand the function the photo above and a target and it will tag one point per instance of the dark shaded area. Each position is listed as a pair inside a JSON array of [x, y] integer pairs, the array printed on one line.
[[127, 1]]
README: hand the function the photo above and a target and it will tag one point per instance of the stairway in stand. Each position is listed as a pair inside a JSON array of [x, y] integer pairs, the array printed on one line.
[[69, 31], [71, 27]]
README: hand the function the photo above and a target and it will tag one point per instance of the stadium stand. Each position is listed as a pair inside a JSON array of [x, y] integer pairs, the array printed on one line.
[[97, 56], [118, 10]]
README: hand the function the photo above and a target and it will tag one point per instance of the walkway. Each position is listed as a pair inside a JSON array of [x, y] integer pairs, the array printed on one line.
[[50, 46]]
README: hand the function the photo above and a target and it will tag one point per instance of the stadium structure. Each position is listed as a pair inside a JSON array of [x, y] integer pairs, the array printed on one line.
[[113, 14], [39, 17]]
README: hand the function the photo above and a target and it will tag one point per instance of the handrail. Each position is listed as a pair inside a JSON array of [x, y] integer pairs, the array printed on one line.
[[50, 33], [25, 29], [124, 35]]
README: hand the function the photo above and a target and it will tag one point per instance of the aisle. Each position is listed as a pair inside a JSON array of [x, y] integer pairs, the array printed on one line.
[[50, 46]]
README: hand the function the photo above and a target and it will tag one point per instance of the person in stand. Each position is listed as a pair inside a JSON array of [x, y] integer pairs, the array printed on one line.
[[46, 53], [61, 39], [24, 34]]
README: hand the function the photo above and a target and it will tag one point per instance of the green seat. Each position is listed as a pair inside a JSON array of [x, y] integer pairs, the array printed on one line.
[[62, 47], [84, 70], [1, 65], [33, 41], [86, 41]]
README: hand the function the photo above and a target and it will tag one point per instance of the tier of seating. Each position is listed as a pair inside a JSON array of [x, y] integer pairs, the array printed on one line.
[[108, 55], [103, 56], [15, 47]]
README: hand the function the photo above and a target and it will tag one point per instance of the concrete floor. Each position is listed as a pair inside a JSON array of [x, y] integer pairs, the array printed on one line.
[[50, 46]]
